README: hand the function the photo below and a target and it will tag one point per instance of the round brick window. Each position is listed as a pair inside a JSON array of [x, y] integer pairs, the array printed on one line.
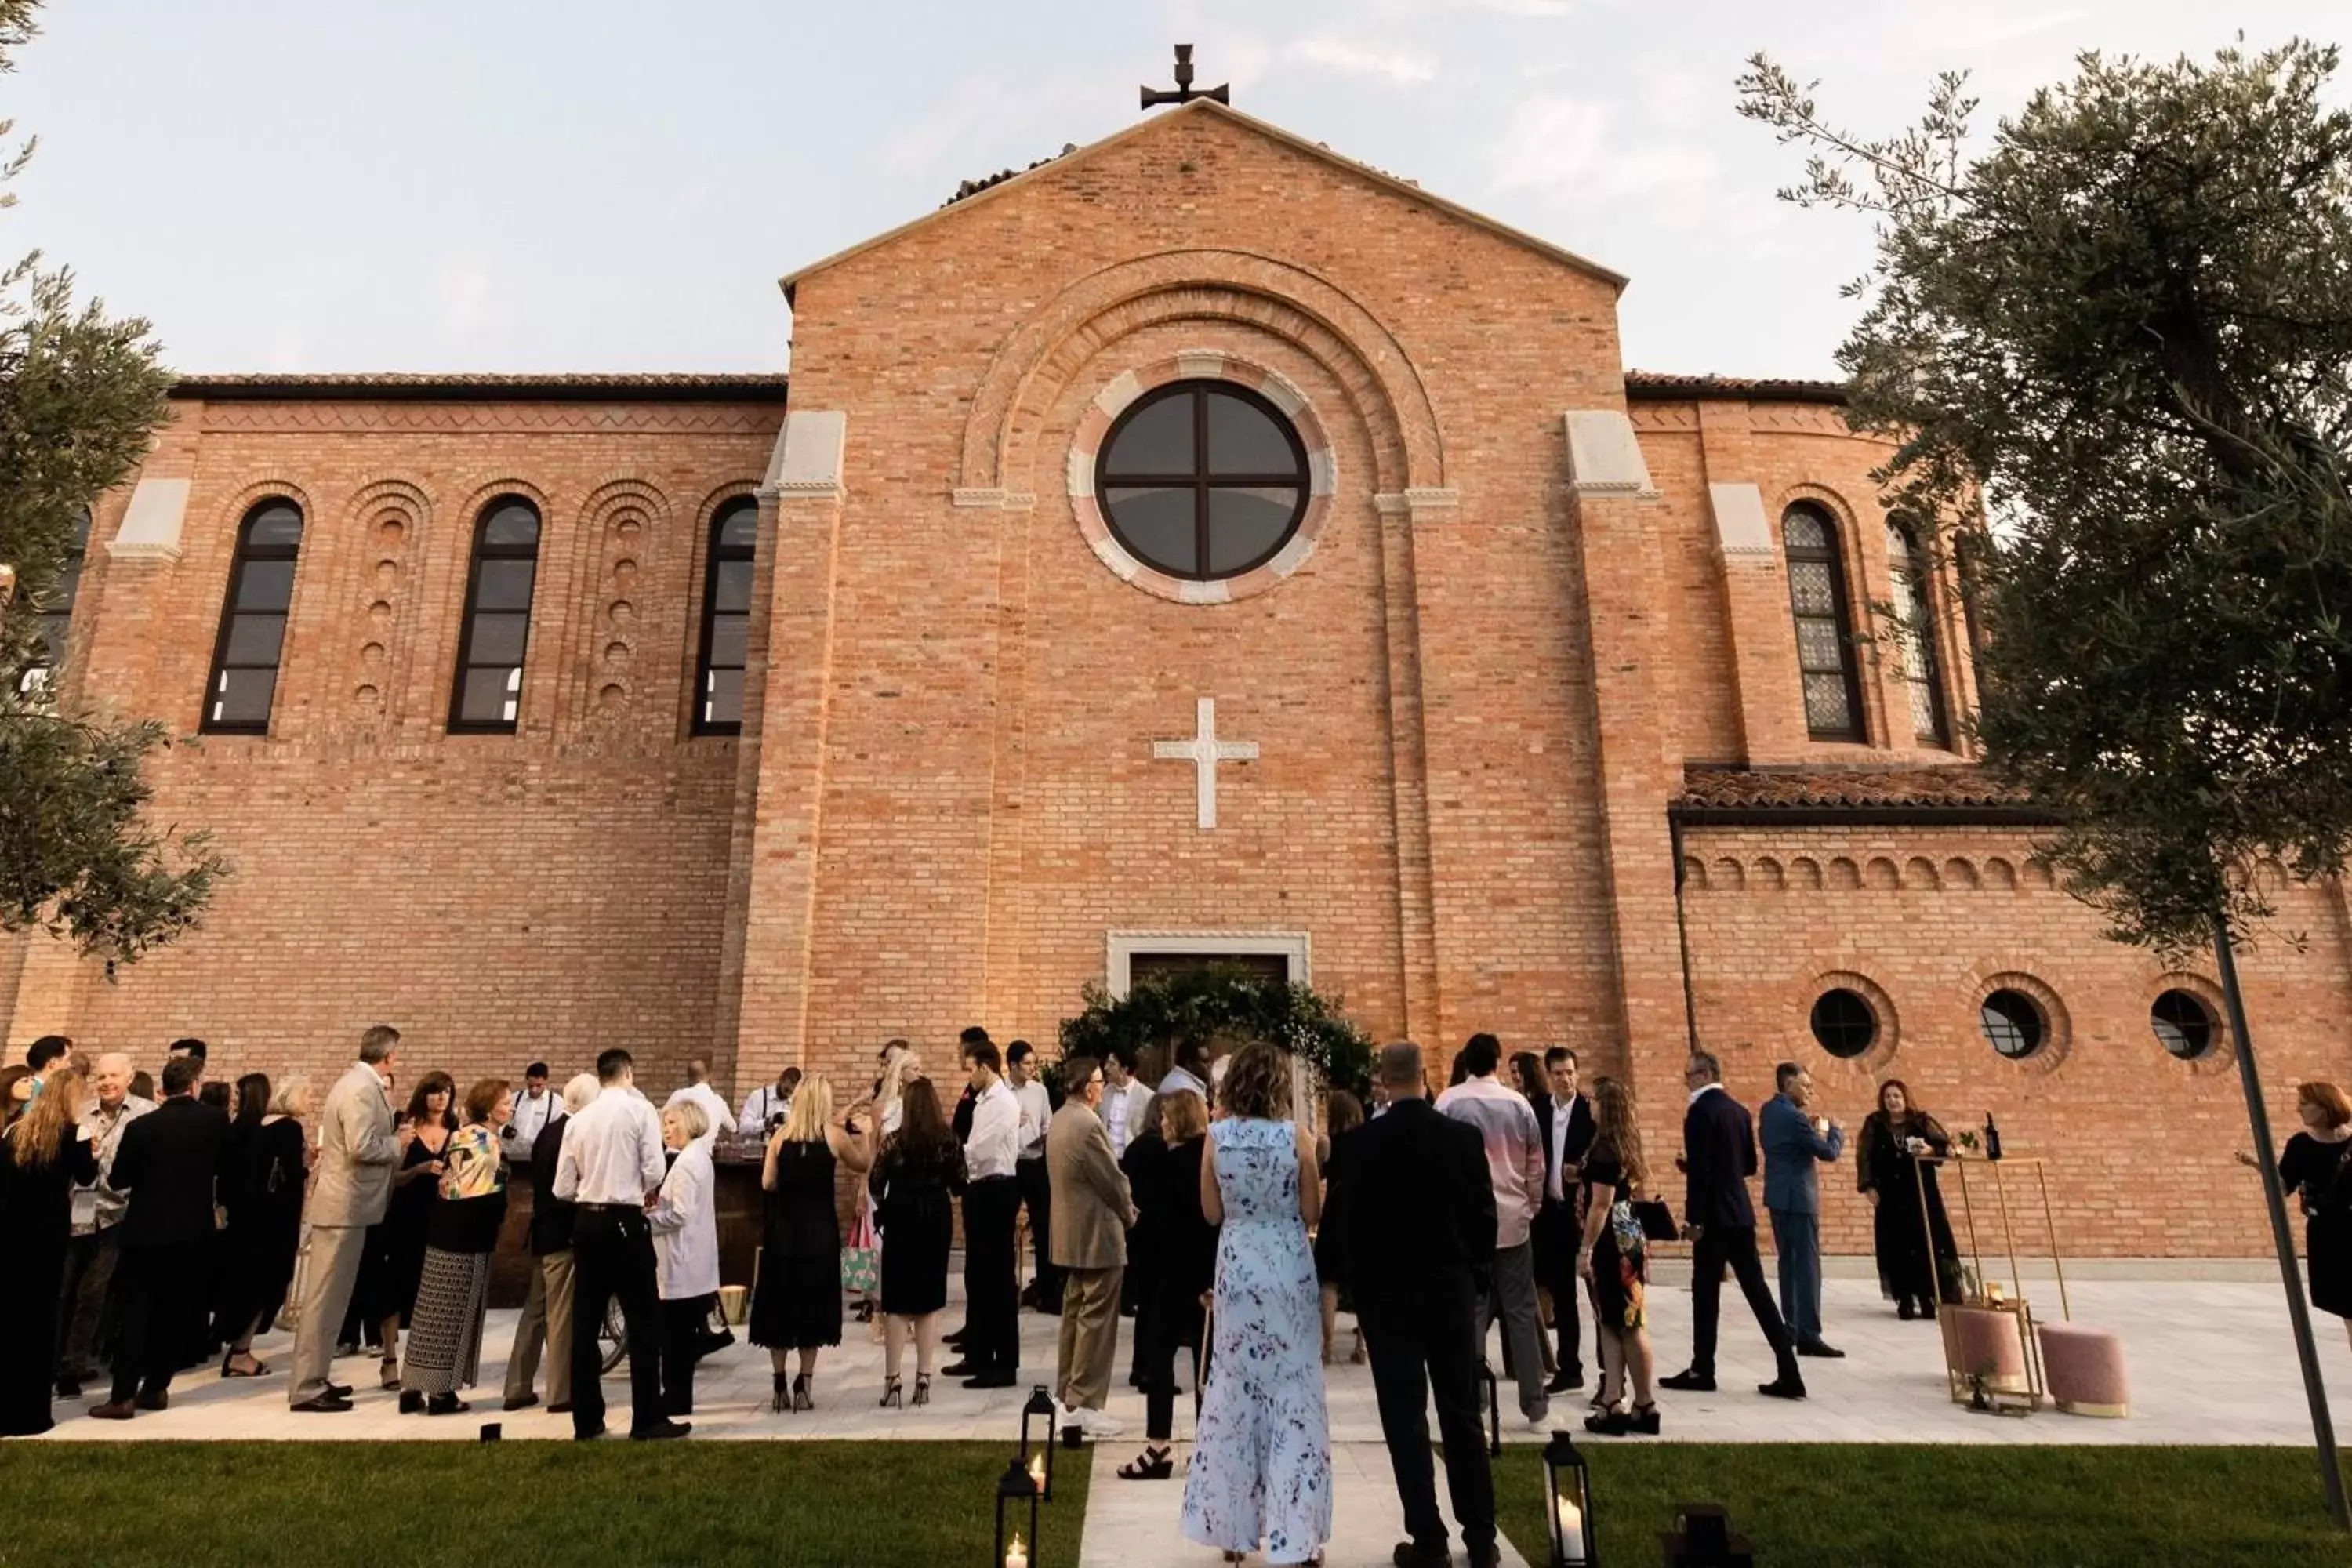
[[1845, 1023], [1202, 479], [2013, 1023], [2183, 1023]]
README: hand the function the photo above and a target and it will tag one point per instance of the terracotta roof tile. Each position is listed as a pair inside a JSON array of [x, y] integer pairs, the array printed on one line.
[[569, 387], [1767, 790], [1655, 386]]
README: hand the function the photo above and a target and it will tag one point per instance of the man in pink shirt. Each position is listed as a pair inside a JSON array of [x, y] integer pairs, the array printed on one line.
[[1515, 1163]]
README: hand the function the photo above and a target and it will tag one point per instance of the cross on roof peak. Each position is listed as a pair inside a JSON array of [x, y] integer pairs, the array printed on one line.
[[1184, 92]]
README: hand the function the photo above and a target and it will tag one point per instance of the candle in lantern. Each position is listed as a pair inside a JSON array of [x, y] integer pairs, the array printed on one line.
[[1571, 1531], [1016, 1555], [1038, 1471]]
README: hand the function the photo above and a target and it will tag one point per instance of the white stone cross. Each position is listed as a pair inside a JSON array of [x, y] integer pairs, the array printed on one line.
[[1205, 751]]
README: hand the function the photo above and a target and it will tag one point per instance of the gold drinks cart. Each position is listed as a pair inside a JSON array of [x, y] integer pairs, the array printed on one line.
[[1980, 1330]]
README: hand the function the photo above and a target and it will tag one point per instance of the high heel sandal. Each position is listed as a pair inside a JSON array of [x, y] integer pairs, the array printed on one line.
[[783, 1400], [1156, 1463], [254, 1367], [801, 1400], [391, 1374], [890, 1392], [923, 1389], [1644, 1419]]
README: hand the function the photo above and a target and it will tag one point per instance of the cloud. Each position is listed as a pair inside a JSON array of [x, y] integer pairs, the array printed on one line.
[[1562, 149], [1399, 67]]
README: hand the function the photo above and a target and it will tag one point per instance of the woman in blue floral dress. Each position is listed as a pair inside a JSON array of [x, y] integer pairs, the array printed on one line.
[[1262, 1455]]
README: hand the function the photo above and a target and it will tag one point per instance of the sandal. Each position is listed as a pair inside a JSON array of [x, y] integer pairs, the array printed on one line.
[[923, 1389], [890, 1392], [783, 1400], [390, 1371], [253, 1367], [801, 1400], [1156, 1463]]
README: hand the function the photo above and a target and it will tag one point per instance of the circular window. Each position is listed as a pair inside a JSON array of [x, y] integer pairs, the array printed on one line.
[[1202, 479], [2183, 1023], [1845, 1023], [2013, 1023]]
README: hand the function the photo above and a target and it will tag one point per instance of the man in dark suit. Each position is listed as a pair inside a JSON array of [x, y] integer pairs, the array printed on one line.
[[1420, 1235], [1718, 1156], [1566, 1118], [169, 1162]]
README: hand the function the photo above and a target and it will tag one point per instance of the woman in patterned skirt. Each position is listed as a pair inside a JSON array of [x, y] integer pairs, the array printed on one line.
[[1262, 1450], [1615, 1263], [444, 1332]]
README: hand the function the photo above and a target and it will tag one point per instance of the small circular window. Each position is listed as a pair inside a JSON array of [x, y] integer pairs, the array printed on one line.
[[1202, 479], [2013, 1023], [1843, 1023], [2183, 1023]]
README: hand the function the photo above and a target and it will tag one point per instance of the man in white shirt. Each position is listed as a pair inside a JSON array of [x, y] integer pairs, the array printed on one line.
[[698, 1089], [1044, 1291], [765, 1108], [991, 1204], [612, 1168], [1189, 1076], [98, 1211], [534, 1108], [1514, 1164], [1565, 1116], [1123, 1100]]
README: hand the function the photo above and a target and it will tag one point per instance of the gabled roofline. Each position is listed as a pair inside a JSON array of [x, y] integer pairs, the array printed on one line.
[[1617, 280], [655, 386]]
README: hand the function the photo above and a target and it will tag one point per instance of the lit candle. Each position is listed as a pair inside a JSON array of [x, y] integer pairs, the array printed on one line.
[[1017, 1555], [1038, 1471], [1571, 1530]]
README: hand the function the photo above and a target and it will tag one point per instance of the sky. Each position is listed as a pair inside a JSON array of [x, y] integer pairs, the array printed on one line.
[[589, 186]]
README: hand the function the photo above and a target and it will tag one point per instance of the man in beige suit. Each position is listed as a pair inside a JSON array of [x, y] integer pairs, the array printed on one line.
[[1091, 1209], [357, 1150]]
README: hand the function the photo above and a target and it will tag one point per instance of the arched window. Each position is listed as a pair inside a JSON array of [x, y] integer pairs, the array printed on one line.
[[726, 620], [56, 615], [1824, 641], [488, 695], [1914, 614], [253, 621]]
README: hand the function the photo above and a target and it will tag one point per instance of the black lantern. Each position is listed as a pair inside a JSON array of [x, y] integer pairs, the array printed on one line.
[[1038, 1446], [1568, 1504], [1494, 1411], [1014, 1548], [1701, 1538]]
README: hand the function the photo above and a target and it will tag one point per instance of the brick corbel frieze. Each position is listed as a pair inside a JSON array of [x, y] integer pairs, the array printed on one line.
[[1617, 528], [762, 1015]]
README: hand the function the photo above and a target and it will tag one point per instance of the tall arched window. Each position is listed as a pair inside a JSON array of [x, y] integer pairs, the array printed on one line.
[[726, 620], [1824, 641], [1914, 612], [56, 615], [488, 696], [253, 620]]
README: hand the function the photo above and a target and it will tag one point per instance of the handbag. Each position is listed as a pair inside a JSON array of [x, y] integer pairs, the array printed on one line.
[[1656, 1220], [861, 1270]]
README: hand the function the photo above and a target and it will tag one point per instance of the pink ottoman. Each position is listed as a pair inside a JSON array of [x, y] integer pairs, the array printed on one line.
[[1978, 1341], [2084, 1369]]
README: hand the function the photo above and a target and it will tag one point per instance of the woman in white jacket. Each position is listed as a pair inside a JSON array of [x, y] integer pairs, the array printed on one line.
[[685, 1222]]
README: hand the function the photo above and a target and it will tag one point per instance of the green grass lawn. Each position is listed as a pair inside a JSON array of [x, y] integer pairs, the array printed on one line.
[[1917, 1506], [504, 1505]]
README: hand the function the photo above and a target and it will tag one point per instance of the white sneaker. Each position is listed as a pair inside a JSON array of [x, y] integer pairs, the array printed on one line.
[[1100, 1423]]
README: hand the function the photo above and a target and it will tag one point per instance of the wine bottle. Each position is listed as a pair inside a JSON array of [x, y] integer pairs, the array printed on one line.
[[1992, 1137]]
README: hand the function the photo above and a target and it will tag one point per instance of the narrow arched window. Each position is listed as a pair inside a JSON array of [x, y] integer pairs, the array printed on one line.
[[56, 615], [1914, 614], [1824, 642], [726, 620], [488, 696], [253, 620]]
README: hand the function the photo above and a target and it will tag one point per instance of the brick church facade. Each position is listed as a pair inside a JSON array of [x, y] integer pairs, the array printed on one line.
[[1200, 544]]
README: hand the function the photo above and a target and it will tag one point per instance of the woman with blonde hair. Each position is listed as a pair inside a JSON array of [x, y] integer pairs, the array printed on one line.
[[45, 1153], [796, 1300], [1613, 1258], [264, 1229], [685, 1222], [2316, 1170]]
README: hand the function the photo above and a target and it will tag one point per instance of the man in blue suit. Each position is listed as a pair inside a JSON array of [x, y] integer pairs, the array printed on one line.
[[1792, 1195]]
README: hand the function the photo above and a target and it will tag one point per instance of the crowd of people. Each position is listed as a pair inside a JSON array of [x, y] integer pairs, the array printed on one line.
[[153, 1230]]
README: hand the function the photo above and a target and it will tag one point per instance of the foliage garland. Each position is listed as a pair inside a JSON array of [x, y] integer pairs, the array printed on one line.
[[1223, 1000]]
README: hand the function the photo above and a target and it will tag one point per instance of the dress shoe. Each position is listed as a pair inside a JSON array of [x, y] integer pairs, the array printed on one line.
[[1410, 1554], [322, 1403], [1688, 1382], [1824, 1348], [114, 1410], [561, 1407], [1566, 1379], [519, 1402], [339, 1390], [590, 1435], [68, 1388], [662, 1432], [1782, 1388], [154, 1399], [965, 1368], [1489, 1556], [444, 1404], [992, 1380], [412, 1402], [714, 1343]]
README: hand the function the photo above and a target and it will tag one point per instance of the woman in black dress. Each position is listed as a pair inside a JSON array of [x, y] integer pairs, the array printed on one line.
[[396, 1247], [1184, 1253], [1140, 1162], [43, 1155], [1613, 1260], [915, 1176], [1343, 1114], [264, 1218], [796, 1300], [2315, 1169], [1891, 1164], [222, 1307]]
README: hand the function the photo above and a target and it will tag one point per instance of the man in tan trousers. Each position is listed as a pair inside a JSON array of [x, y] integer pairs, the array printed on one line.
[[350, 1186], [1091, 1209]]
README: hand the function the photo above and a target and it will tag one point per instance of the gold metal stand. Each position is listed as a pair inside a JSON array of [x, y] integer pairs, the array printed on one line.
[[1971, 1385]]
